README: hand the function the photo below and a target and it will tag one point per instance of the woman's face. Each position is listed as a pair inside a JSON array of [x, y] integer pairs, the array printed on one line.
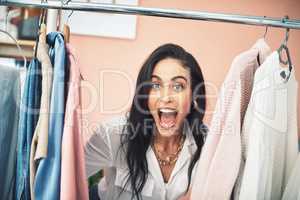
[[170, 96]]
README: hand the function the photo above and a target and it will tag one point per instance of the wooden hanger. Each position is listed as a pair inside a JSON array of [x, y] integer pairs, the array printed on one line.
[[66, 28]]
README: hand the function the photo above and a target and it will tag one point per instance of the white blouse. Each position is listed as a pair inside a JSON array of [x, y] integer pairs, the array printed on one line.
[[292, 190], [271, 126], [103, 151]]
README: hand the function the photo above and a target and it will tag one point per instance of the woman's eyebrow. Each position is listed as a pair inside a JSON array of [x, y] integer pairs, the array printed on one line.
[[173, 79], [178, 77], [155, 76]]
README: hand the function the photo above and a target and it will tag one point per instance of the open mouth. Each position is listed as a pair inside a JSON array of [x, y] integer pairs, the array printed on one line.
[[167, 117]]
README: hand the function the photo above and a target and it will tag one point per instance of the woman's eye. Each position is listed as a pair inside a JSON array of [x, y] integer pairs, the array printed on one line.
[[178, 87], [155, 86]]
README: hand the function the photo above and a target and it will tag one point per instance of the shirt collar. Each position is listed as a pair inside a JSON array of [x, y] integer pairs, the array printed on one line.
[[263, 49], [189, 148]]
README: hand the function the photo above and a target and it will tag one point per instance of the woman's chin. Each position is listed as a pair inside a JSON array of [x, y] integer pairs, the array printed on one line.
[[168, 131]]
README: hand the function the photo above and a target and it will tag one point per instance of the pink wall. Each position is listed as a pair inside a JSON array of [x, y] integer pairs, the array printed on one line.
[[214, 44]]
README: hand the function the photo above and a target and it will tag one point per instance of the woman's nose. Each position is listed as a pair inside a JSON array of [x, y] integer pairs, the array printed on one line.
[[166, 94]]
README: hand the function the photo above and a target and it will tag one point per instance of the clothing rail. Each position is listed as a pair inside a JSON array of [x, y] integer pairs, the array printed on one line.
[[158, 12]]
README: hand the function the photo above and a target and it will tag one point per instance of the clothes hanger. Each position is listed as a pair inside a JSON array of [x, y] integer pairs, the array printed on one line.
[[266, 31], [264, 38], [66, 29], [17, 44], [283, 48], [15, 41], [42, 22]]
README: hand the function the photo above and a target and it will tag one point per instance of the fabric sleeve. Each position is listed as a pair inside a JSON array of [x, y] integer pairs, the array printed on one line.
[[102, 147]]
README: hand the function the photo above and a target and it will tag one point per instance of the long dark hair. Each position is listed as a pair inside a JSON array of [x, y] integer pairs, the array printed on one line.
[[137, 140]]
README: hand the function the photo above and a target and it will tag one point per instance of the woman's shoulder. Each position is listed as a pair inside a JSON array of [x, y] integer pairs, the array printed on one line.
[[107, 138]]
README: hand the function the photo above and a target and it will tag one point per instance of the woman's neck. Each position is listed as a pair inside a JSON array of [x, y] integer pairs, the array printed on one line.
[[167, 144]]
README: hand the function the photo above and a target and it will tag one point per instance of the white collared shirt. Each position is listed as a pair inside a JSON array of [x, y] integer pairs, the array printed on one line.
[[271, 125], [103, 151]]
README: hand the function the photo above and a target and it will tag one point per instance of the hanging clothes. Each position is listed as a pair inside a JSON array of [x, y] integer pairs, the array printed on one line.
[[265, 51], [39, 143], [49, 167], [221, 155], [23, 72], [9, 120], [29, 113], [73, 175], [292, 190], [271, 126]]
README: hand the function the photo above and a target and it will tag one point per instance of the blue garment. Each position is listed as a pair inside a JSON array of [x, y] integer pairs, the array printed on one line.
[[29, 113], [93, 193], [9, 120], [47, 180]]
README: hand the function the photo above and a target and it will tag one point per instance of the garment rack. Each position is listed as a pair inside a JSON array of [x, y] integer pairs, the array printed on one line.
[[158, 12]]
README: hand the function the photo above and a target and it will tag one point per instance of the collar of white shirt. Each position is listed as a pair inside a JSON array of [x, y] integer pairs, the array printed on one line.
[[189, 148]]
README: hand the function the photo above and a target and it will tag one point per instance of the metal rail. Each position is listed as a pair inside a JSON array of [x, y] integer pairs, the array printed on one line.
[[158, 12]]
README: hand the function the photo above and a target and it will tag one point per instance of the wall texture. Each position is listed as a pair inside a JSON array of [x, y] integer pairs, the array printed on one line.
[[110, 66]]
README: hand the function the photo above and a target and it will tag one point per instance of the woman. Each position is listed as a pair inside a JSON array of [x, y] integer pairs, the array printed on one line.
[[151, 154]]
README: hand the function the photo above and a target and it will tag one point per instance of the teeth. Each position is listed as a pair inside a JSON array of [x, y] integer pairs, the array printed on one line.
[[167, 110]]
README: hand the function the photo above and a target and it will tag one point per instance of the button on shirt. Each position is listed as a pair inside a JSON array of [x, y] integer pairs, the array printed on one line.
[[102, 151]]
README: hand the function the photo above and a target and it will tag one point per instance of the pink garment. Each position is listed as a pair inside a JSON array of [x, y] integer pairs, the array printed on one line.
[[220, 159], [73, 177]]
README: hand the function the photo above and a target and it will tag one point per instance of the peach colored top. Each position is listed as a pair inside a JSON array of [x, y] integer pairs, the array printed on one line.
[[220, 159], [73, 177]]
